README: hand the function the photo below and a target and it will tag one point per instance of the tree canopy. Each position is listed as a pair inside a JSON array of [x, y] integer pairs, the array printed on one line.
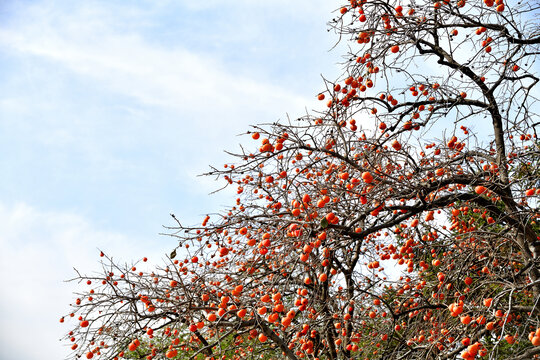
[[398, 221]]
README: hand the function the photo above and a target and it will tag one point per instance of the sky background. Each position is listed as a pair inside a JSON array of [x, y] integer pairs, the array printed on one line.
[[108, 112]]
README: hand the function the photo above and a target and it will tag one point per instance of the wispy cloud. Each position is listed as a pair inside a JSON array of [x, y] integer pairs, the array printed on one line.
[[125, 62]]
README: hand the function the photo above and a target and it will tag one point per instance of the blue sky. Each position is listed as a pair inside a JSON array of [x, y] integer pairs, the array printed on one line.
[[108, 112]]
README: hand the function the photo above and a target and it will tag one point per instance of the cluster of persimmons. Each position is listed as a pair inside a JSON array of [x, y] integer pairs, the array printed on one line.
[[398, 222]]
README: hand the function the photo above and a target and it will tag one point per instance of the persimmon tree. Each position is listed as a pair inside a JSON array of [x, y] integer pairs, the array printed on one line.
[[400, 221]]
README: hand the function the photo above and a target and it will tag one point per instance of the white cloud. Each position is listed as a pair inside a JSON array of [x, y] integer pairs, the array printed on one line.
[[171, 78], [126, 63], [38, 251]]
